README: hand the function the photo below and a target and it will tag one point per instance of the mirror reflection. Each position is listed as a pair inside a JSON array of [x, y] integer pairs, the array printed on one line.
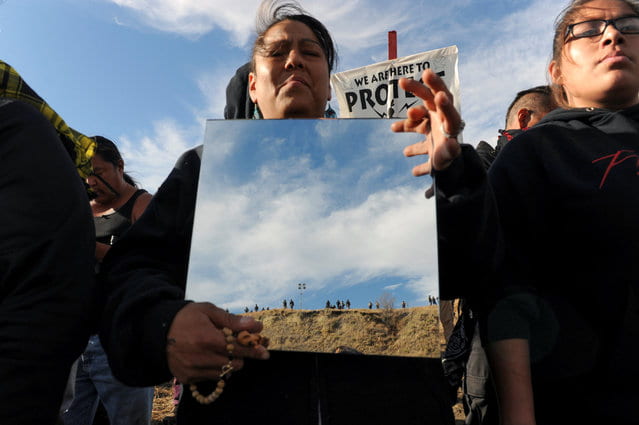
[[318, 229]]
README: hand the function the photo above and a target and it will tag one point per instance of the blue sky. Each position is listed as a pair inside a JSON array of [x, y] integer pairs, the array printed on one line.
[[149, 73]]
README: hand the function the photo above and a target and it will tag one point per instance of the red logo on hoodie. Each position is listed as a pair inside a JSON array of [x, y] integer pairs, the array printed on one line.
[[616, 159]]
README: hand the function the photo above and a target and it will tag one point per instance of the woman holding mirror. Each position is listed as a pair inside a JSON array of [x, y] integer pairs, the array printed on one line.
[[149, 331]]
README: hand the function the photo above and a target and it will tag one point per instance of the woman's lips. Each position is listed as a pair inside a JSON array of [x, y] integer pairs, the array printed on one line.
[[295, 81], [616, 58]]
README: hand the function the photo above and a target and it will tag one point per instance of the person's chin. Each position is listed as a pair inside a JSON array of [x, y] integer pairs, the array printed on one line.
[[622, 80], [295, 108]]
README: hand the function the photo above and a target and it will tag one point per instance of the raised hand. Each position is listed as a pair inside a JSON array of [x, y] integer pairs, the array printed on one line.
[[436, 118]]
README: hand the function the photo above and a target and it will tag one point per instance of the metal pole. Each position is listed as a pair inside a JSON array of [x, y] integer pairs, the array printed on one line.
[[392, 45], [301, 287]]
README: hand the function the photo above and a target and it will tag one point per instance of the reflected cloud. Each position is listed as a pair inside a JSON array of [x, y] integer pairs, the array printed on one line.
[[286, 207]]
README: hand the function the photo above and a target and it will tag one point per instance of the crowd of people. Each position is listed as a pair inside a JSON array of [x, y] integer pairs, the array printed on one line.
[[338, 305], [529, 233]]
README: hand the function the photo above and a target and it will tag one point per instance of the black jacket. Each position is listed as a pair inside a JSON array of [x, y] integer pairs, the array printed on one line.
[[560, 212], [144, 278], [47, 248], [488, 154]]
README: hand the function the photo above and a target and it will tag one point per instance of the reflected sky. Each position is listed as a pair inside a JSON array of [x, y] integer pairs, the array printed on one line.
[[328, 203]]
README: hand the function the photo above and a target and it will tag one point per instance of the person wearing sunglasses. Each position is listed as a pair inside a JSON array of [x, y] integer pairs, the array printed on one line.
[[555, 225]]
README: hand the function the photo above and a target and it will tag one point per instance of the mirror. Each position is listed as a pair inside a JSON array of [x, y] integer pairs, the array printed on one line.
[[318, 229]]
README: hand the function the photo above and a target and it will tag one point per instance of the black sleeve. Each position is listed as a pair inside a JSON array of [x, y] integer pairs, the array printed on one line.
[[487, 153], [469, 241], [144, 278]]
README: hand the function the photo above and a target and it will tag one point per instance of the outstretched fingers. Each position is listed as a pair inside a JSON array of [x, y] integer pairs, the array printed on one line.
[[423, 91], [446, 146], [417, 121], [437, 118]]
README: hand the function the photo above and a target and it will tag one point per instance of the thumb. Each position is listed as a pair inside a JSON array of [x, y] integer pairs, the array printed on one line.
[[236, 323]]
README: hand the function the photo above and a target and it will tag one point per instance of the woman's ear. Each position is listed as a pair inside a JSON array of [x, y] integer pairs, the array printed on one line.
[[252, 90], [555, 72]]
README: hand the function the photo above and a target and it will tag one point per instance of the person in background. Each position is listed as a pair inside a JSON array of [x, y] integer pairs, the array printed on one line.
[[117, 203], [567, 185], [527, 109]]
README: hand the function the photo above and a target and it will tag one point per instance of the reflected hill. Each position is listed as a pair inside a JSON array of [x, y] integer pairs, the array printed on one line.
[[410, 332]]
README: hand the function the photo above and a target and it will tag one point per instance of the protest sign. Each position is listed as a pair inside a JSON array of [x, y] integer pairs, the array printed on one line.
[[373, 91]]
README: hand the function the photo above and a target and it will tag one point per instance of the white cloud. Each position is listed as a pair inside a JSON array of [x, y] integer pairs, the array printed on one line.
[[212, 85], [150, 159], [387, 234], [194, 18], [355, 25]]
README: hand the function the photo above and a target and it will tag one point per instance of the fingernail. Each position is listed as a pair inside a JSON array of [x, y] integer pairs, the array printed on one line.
[[246, 320]]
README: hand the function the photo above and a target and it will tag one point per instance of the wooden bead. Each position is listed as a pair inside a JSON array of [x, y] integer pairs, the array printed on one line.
[[226, 369], [219, 389]]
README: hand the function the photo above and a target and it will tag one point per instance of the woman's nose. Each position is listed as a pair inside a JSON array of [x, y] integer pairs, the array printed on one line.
[[612, 35], [294, 60]]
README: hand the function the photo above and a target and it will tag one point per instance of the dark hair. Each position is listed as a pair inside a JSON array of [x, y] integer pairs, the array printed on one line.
[[539, 99], [565, 19], [271, 13], [109, 152]]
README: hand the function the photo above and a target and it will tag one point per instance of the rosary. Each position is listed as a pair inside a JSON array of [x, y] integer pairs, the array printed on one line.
[[243, 338]]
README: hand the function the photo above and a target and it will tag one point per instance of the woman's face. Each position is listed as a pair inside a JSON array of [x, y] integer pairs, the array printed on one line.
[[104, 171], [600, 71], [291, 78]]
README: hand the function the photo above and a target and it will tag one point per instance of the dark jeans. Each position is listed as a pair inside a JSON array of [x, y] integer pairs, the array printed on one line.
[[94, 382], [480, 398]]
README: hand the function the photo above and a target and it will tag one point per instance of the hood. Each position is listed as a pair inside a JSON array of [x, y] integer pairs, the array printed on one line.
[[591, 116]]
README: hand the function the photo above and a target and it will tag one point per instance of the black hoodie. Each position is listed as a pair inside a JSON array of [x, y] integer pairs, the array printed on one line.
[[566, 199]]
